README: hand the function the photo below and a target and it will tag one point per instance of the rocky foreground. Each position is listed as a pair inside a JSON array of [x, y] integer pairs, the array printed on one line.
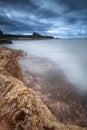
[[20, 107]]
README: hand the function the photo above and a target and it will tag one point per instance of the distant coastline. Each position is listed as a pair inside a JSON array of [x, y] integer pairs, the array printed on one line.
[[34, 36]]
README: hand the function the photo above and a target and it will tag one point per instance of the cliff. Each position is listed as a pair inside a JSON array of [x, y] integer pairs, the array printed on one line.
[[20, 107]]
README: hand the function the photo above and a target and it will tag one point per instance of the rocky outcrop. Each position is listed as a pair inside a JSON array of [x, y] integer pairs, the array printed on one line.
[[20, 107], [5, 41], [9, 64]]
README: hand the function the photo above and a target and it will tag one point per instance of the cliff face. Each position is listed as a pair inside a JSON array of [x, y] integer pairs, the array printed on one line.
[[20, 107]]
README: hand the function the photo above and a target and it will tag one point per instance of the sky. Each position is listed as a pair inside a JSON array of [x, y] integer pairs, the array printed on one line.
[[59, 18]]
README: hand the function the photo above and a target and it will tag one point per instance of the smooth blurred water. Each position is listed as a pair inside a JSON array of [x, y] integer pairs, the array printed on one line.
[[69, 55]]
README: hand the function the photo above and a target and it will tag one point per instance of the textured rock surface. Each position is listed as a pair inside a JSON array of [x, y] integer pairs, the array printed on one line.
[[8, 62], [22, 109]]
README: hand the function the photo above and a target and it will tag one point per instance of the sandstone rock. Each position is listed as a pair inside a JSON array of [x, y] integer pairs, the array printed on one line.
[[22, 109], [9, 64]]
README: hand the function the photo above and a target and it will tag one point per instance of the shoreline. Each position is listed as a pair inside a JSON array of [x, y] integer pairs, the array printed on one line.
[[53, 89], [14, 67]]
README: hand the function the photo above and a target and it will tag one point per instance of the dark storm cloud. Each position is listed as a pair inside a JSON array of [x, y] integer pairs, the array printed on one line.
[[63, 18], [75, 10], [74, 5], [46, 13], [72, 20], [19, 4]]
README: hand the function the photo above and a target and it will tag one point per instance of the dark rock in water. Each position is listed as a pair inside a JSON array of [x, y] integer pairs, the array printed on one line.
[[5, 41]]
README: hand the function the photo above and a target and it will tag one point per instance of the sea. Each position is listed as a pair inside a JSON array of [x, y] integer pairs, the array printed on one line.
[[67, 55]]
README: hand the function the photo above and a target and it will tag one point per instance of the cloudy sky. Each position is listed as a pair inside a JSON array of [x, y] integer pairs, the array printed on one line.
[[61, 18]]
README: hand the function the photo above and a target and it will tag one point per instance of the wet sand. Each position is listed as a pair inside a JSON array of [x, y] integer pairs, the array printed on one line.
[[59, 95]]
